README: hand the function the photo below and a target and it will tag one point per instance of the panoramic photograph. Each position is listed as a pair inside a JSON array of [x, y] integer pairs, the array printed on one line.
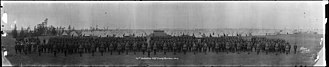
[[162, 33]]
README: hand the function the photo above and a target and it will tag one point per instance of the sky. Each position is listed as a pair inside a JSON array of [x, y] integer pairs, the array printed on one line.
[[169, 15]]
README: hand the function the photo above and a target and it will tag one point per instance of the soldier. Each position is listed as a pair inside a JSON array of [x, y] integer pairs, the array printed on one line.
[[227, 46], [102, 48], [211, 46], [21, 47], [174, 48], [24, 48], [119, 48], [16, 46], [238, 47], [295, 48], [267, 47], [80, 50], [39, 48], [66, 49], [135, 48], [276, 47], [287, 48], [47, 48], [29, 47], [61, 47], [249, 47], [205, 46], [195, 48], [93, 48], [86, 47], [155, 48], [234, 46], [185, 49], [144, 48], [111, 47], [127, 46], [217, 47], [165, 48], [55, 49], [149, 49], [258, 46], [189, 45], [199, 46]]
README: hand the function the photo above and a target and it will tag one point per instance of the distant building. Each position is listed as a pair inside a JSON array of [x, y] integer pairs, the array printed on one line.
[[158, 33]]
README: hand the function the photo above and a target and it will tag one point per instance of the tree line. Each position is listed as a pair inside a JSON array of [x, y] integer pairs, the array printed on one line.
[[40, 30]]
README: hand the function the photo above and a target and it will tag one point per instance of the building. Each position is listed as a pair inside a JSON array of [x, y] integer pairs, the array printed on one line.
[[158, 33]]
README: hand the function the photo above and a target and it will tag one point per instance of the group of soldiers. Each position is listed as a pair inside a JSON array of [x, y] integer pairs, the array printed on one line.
[[152, 45]]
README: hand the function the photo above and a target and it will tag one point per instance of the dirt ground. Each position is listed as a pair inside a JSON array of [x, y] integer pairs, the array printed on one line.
[[310, 41]]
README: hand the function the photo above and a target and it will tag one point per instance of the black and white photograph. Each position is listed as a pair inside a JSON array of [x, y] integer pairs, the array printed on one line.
[[174, 33]]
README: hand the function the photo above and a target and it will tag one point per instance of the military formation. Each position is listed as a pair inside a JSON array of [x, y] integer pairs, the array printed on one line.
[[152, 45]]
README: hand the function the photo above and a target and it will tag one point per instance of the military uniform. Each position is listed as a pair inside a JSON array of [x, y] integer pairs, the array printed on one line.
[[217, 47], [155, 48], [174, 48], [135, 47], [165, 48], [80, 50], [205, 48], [127, 48], [287, 48], [295, 48], [185, 48], [102, 48], [277, 48]]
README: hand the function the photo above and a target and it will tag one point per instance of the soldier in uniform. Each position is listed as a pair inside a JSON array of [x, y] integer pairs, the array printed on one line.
[[127, 48], [174, 48], [295, 49], [189, 45], [165, 48], [66, 49], [287, 48], [217, 47], [135, 47], [16, 46], [93, 48], [39, 47], [80, 50], [267, 47], [276, 48], [111, 48], [199, 44], [86, 47], [102, 48], [185, 48], [205, 46], [60, 47], [119, 48], [149, 49], [155, 48], [258, 46], [195, 48], [144, 48], [55, 49], [227, 46], [211, 46], [29, 47], [238, 47], [249, 47]]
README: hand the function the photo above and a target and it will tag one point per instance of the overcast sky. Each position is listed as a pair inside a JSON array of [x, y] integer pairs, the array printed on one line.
[[257, 15]]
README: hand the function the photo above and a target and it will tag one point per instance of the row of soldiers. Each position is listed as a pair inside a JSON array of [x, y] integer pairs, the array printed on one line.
[[80, 45]]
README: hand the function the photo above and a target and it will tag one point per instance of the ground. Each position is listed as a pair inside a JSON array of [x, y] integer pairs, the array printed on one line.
[[310, 41]]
